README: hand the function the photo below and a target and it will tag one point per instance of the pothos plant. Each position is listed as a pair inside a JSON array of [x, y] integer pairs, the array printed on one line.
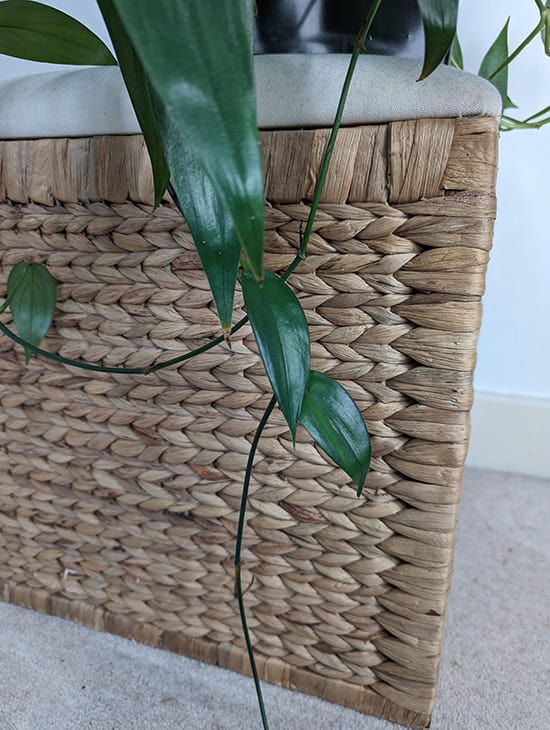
[[188, 68]]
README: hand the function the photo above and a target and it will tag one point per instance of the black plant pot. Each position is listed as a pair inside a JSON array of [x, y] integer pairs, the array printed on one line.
[[330, 26]]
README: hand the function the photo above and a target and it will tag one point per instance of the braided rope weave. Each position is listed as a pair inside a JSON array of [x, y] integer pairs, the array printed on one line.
[[119, 495]]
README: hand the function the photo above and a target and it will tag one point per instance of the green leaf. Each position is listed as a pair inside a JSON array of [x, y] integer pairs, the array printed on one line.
[[281, 331], [31, 293], [439, 18], [39, 32], [456, 58], [138, 88], [211, 227], [331, 417], [198, 57], [493, 60]]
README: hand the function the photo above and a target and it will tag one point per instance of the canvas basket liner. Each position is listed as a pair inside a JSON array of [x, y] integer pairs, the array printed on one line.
[[119, 495]]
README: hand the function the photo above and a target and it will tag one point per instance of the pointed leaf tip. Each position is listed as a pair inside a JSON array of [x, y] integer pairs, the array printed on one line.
[[281, 331], [332, 418], [209, 45], [32, 296], [494, 68], [439, 18]]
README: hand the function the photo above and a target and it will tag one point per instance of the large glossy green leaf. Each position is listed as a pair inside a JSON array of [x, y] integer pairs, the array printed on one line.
[[139, 91], [39, 32], [198, 57], [331, 417], [211, 227], [31, 293], [439, 19], [493, 60], [280, 328]]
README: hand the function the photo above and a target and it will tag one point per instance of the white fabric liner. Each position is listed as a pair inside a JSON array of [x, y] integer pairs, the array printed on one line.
[[300, 90], [293, 90]]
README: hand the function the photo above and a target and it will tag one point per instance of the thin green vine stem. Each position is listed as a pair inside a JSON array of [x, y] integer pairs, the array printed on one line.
[[534, 33], [329, 149], [67, 361], [203, 348], [237, 557], [358, 47], [509, 123], [538, 114], [118, 369]]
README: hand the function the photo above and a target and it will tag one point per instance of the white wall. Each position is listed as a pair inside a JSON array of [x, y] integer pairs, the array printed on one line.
[[511, 415], [514, 349]]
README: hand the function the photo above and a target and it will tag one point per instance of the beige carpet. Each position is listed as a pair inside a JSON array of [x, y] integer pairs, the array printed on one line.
[[56, 675]]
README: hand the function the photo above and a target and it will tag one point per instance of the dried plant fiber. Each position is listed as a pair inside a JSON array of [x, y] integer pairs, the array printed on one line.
[[89, 680], [119, 494]]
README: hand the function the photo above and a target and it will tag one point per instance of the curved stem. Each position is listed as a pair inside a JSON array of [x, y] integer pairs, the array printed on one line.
[[198, 350], [237, 558], [538, 114], [359, 43], [507, 123], [117, 369], [329, 149], [67, 361], [358, 46]]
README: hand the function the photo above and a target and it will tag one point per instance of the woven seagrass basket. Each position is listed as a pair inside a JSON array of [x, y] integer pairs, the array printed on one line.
[[119, 494]]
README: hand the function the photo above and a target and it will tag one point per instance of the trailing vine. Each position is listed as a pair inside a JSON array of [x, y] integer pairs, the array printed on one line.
[[215, 180]]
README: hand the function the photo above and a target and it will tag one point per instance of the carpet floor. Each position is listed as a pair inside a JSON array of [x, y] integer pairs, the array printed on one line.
[[495, 673]]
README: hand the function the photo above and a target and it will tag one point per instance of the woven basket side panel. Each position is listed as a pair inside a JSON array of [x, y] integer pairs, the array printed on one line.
[[119, 495]]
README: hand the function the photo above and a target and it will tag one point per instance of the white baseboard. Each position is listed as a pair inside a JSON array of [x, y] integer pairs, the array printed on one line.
[[510, 433]]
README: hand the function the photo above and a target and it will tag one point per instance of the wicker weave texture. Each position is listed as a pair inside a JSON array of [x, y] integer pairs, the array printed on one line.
[[119, 495]]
